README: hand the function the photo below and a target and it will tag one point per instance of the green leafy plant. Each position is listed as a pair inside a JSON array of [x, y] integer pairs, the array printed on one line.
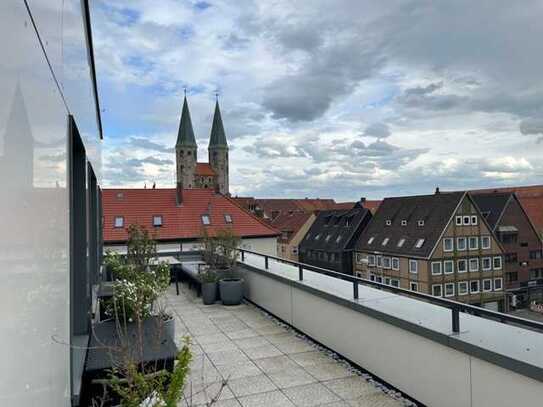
[[220, 251], [208, 276]]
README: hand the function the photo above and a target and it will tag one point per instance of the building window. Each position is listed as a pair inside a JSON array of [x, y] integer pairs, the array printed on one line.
[[227, 218], [338, 239], [371, 260], [485, 242], [370, 240], [448, 245], [395, 263], [386, 262], [486, 263], [372, 277], [419, 243], [388, 222], [466, 220], [449, 290], [413, 266], [474, 220], [436, 268], [401, 242], [308, 236], [157, 220], [387, 280], [487, 284], [511, 257], [497, 263], [414, 286], [404, 222], [359, 258], [119, 222], [421, 222], [379, 279], [379, 261], [448, 266], [461, 243], [462, 265], [318, 236], [462, 288], [511, 277], [395, 282], [327, 238], [206, 220], [474, 286], [459, 221], [535, 254], [473, 242], [385, 241], [498, 284], [437, 290], [534, 274], [474, 265]]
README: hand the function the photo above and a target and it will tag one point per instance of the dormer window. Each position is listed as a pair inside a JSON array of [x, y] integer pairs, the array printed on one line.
[[157, 220], [404, 222], [348, 221], [421, 222], [388, 222], [327, 220], [318, 237], [328, 237], [370, 240], [419, 243], [338, 239], [118, 222], [206, 220], [401, 242], [385, 241], [227, 218]]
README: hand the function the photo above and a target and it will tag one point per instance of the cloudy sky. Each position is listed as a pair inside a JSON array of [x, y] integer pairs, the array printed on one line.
[[326, 98]]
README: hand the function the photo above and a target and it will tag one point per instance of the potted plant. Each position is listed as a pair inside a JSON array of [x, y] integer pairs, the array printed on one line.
[[210, 290], [230, 283]]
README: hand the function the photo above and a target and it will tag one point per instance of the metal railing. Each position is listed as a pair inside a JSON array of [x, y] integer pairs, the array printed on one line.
[[455, 307]]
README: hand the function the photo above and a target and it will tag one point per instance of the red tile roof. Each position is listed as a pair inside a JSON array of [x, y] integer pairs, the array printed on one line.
[[179, 222], [290, 223], [531, 199], [204, 169]]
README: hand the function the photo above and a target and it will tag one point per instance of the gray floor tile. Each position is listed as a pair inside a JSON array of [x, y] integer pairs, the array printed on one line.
[[251, 385], [310, 358], [314, 394], [218, 346], [295, 346], [376, 399], [329, 371], [201, 394], [252, 342], [260, 352], [351, 387], [212, 338], [276, 363], [242, 334], [227, 357], [270, 399], [239, 369], [291, 377]]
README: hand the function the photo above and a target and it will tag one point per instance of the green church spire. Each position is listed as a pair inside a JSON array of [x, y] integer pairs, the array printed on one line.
[[218, 137], [185, 136]]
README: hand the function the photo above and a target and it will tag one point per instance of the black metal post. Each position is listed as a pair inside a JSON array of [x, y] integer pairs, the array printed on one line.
[[455, 319], [242, 255], [300, 272], [266, 262], [355, 290]]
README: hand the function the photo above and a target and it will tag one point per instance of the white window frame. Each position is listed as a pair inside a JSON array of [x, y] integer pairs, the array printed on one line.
[[387, 280], [488, 239], [414, 270], [466, 265], [478, 286], [451, 240], [436, 263], [493, 262], [371, 260], [501, 284], [448, 285], [397, 261], [489, 264], [379, 261], [451, 262], [394, 282], [458, 220], [120, 224], [469, 265], [385, 260], [415, 285], [463, 291], [440, 286], [473, 239], [489, 281], [474, 220], [458, 245], [466, 219]]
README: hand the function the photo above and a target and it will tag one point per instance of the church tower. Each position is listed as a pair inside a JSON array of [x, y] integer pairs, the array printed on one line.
[[185, 150], [218, 152]]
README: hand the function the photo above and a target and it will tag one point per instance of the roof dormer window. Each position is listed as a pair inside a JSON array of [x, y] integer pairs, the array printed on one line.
[[388, 222], [421, 222], [118, 222], [328, 237], [318, 236], [348, 221], [206, 220], [157, 220], [338, 239], [404, 222], [227, 218]]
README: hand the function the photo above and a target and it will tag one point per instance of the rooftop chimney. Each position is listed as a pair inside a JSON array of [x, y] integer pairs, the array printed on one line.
[[437, 190], [179, 194], [362, 200]]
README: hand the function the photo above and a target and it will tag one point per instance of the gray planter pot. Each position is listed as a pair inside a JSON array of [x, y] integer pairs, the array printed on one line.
[[231, 291], [169, 328], [209, 293]]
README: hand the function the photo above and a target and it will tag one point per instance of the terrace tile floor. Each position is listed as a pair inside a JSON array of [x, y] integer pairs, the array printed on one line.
[[242, 357]]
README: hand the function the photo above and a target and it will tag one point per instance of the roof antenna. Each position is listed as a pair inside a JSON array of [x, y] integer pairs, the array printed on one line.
[[216, 95], [185, 91]]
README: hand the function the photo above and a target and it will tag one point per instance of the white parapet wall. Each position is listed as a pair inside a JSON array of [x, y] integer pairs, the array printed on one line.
[[406, 342]]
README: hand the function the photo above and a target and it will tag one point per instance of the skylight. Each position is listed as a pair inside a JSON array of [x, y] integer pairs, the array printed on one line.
[[421, 222], [419, 243], [338, 239], [157, 220], [385, 241], [206, 220], [227, 218], [328, 237], [370, 240], [318, 237], [401, 242], [388, 222], [119, 222], [404, 222]]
